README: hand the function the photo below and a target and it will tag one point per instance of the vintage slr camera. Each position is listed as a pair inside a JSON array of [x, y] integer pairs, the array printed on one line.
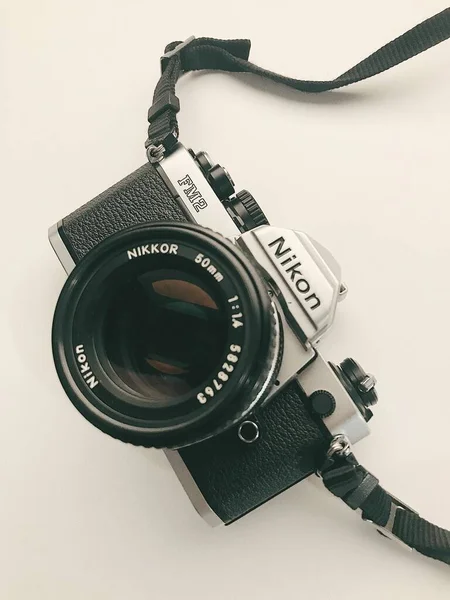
[[189, 323]]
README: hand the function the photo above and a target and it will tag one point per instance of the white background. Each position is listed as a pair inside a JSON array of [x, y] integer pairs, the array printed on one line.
[[365, 171]]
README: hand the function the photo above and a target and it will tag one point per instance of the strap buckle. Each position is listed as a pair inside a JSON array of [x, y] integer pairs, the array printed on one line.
[[387, 530], [340, 448], [168, 55]]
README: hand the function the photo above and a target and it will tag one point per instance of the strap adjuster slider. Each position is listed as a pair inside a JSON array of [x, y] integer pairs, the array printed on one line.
[[168, 55]]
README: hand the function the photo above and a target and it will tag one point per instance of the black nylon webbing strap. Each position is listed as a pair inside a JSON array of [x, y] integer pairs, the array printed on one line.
[[232, 55], [344, 477]]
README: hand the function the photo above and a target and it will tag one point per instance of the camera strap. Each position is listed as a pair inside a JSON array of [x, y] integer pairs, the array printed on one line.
[[341, 473], [196, 54], [344, 477]]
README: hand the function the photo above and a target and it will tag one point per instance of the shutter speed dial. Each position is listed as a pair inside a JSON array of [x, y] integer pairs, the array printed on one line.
[[254, 212], [245, 211]]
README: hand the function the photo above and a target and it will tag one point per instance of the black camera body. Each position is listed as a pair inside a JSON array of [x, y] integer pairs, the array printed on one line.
[[264, 446]]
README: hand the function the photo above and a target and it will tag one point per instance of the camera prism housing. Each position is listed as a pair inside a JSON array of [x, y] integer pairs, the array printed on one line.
[[189, 323]]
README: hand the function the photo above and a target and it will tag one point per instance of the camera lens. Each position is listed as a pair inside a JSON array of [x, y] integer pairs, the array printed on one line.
[[164, 335]]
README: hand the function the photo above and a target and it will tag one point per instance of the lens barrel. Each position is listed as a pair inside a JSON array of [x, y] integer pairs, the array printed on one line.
[[165, 335]]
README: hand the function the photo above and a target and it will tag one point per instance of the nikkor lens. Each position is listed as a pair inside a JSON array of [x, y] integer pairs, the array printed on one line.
[[165, 335]]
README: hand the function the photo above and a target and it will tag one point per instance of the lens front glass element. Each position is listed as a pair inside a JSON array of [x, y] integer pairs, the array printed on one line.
[[164, 333]]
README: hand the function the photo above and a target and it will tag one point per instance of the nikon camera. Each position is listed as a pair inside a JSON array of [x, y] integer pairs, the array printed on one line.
[[190, 324]]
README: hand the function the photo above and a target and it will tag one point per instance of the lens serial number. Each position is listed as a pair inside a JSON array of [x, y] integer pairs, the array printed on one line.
[[222, 376]]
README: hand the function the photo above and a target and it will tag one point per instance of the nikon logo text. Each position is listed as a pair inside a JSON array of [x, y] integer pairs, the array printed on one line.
[[291, 267], [84, 367]]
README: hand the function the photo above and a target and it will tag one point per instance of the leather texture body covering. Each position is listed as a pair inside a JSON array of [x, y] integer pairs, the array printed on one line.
[[235, 477], [142, 197]]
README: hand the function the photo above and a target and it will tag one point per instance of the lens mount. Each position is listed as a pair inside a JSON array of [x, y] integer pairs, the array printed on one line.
[[165, 335]]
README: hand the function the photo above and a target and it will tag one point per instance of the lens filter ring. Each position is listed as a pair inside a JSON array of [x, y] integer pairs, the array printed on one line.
[[165, 335]]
